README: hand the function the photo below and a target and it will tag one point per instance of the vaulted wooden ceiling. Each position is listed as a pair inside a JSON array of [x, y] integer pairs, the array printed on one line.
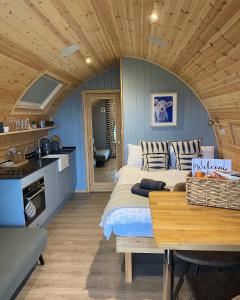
[[202, 40]]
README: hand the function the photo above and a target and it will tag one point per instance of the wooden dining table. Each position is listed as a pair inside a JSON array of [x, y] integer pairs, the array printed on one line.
[[180, 226]]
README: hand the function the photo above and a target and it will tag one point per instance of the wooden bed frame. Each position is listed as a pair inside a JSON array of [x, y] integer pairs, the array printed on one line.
[[130, 245]]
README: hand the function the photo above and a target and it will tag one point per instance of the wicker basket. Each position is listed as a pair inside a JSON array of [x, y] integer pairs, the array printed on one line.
[[213, 192]]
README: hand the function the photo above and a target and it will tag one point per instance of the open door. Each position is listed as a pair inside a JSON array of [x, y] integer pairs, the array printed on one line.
[[103, 138]]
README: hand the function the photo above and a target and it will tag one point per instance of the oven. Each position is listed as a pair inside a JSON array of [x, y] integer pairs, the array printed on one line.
[[34, 200]]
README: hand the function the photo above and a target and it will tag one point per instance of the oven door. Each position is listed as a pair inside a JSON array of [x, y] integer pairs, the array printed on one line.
[[34, 203]]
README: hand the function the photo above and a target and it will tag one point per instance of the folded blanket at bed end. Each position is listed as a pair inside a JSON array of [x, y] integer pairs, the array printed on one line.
[[128, 230], [107, 230]]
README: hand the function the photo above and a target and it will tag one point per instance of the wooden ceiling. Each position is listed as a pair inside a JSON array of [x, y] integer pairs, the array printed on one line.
[[202, 44]]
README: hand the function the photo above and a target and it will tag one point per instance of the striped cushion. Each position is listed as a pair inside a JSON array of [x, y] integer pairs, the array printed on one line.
[[156, 162], [154, 148], [185, 161], [185, 151]]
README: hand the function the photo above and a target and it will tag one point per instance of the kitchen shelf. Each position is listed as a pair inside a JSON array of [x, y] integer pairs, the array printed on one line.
[[28, 130]]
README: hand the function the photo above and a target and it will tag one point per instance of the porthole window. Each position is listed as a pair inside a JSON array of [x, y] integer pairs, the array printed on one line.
[[40, 93]]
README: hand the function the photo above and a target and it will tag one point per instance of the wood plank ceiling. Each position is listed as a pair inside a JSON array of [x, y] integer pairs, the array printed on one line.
[[202, 47]]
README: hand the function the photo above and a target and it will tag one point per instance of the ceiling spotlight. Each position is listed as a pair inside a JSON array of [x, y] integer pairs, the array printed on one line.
[[69, 50], [88, 60], [154, 17]]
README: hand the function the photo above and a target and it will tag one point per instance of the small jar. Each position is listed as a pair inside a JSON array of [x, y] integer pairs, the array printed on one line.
[[42, 124]]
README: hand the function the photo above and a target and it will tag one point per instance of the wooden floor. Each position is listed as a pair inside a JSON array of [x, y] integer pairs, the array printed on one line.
[[106, 173], [80, 264]]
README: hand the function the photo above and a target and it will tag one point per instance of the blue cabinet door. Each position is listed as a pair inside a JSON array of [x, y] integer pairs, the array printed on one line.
[[73, 181], [11, 203], [63, 184], [50, 180], [66, 180]]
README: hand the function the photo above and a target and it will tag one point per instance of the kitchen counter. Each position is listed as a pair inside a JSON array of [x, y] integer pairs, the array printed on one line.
[[66, 150], [59, 188], [34, 164]]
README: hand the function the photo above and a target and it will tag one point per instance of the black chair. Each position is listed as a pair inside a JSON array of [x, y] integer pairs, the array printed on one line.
[[211, 286], [217, 259]]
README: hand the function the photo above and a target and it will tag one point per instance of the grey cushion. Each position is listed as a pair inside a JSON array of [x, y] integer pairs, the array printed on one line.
[[20, 249], [102, 155]]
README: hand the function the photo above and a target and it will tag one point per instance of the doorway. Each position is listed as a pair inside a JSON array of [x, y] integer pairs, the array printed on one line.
[[103, 136]]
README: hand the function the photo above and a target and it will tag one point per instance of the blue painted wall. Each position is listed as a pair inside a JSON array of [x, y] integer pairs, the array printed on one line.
[[140, 79], [70, 118]]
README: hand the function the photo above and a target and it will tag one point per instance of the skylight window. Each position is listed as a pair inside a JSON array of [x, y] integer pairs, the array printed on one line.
[[40, 93]]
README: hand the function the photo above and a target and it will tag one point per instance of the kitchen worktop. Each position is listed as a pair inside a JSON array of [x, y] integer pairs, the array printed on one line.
[[34, 164], [66, 150]]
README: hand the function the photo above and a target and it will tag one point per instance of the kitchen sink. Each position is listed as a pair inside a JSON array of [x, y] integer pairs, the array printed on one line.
[[63, 160]]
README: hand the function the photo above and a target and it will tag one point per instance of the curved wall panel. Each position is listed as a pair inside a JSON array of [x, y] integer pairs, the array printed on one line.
[[140, 79], [70, 118]]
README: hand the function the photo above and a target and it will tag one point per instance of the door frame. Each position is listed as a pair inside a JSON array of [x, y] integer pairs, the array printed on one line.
[[87, 97]]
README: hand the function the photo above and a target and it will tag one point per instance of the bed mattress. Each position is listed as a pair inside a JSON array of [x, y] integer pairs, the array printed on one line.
[[129, 215]]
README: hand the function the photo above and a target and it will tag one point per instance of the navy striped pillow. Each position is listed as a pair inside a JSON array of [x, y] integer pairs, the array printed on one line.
[[185, 151], [158, 148], [156, 162]]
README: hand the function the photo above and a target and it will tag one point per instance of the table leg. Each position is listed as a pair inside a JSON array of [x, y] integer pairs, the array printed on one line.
[[167, 276]]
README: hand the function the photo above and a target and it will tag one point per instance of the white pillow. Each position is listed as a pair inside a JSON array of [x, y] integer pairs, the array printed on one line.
[[207, 152], [134, 156], [172, 158]]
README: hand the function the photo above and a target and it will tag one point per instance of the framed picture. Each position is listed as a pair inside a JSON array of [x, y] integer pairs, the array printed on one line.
[[164, 109]]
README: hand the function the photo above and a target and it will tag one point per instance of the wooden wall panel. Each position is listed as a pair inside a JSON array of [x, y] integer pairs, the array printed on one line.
[[202, 45], [19, 141]]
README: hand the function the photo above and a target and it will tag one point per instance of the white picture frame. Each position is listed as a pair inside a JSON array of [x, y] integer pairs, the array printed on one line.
[[163, 109]]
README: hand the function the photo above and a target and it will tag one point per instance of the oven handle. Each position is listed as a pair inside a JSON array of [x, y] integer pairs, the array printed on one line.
[[38, 192]]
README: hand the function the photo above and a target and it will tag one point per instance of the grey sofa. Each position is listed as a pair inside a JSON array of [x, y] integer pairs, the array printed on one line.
[[20, 249]]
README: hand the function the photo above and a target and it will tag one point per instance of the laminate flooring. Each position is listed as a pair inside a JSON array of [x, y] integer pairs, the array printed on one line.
[[106, 173], [80, 264]]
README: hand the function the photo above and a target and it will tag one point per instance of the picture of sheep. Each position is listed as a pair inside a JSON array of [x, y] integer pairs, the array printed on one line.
[[160, 108], [164, 109]]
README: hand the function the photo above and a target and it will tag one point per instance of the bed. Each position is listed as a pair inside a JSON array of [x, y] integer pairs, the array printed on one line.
[[128, 216]]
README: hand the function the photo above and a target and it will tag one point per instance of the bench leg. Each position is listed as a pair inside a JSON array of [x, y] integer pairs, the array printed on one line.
[[128, 267], [41, 260]]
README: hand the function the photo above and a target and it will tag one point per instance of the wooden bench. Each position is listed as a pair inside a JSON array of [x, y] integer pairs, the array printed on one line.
[[130, 245]]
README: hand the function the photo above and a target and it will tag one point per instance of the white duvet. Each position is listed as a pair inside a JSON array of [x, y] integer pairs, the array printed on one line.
[[132, 175], [136, 221]]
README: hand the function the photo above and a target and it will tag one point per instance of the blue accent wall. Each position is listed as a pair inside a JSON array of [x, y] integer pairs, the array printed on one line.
[[70, 118], [140, 79]]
